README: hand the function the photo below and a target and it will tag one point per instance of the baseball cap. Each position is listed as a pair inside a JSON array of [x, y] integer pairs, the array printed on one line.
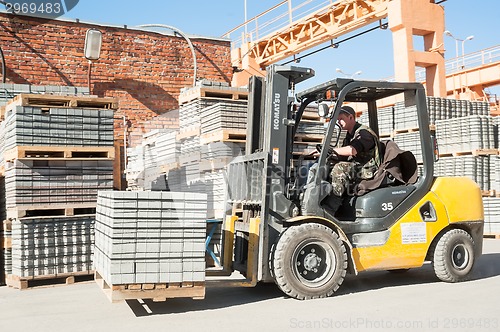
[[348, 110]]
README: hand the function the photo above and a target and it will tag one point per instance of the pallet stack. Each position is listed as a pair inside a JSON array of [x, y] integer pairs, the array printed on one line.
[[150, 244], [58, 152]]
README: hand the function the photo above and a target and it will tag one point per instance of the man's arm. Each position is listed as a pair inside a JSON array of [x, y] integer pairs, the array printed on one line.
[[346, 151]]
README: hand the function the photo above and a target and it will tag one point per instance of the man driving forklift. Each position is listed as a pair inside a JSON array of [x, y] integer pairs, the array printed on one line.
[[358, 158]]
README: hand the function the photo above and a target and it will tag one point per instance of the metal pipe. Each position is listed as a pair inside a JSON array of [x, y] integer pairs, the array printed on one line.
[[89, 73], [3, 65], [174, 29]]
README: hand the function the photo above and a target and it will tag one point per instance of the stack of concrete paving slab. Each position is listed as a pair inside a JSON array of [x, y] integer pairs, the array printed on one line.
[[230, 115], [405, 117], [35, 126], [8, 90], [386, 120], [167, 147], [150, 237], [495, 173], [45, 182], [134, 171], [475, 167], [491, 215], [52, 246], [410, 142], [58, 152], [468, 133]]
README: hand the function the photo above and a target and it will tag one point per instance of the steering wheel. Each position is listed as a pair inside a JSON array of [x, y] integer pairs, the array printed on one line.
[[332, 154]]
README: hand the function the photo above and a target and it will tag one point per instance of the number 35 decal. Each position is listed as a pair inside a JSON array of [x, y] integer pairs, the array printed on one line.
[[387, 206]]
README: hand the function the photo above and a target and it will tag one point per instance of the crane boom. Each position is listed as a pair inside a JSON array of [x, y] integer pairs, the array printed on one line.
[[327, 23]]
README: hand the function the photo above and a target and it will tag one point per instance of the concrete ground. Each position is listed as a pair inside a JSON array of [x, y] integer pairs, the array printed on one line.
[[373, 301]]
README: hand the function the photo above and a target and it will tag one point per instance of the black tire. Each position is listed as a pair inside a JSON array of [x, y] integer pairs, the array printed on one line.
[[309, 261], [454, 256]]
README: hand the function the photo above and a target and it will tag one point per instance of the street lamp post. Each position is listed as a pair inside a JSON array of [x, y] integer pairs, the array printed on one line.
[[359, 72], [463, 52], [448, 33]]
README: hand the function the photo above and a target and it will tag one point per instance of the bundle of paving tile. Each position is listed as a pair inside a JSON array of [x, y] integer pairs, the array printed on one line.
[[39, 126], [46, 182], [386, 120], [476, 168], [167, 147], [405, 117], [410, 142], [217, 155], [443, 108], [495, 173], [51, 246], [491, 215], [311, 127], [190, 146], [150, 237], [134, 171], [8, 90], [496, 131], [226, 115], [468, 133]]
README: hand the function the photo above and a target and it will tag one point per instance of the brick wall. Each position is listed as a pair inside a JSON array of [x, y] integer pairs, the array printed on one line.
[[144, 70]]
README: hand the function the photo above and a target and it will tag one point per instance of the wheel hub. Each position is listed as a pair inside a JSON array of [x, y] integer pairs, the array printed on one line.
[[459, 256], [312, 262]]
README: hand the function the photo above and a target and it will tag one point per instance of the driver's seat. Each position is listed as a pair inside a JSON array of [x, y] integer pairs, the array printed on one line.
[[398, 167]]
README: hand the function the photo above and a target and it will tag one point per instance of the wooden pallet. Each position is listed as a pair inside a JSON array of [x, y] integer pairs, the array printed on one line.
[[406, 130], [156, 292], [306, 138], [40, 100], [212, 93], [52, 210], [492, 236], [488, 193], [59, 152], [224, 135], [6, 243], [169, 167], [477, 152], [46, 280], [309, 115], [385, 136]]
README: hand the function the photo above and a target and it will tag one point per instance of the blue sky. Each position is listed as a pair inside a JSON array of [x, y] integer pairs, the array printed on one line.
[[371, 53]]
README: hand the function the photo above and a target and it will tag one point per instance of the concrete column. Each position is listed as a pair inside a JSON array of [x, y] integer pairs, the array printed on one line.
[[410, 18]]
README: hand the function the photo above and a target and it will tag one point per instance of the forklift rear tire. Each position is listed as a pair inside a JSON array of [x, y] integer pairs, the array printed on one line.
[[454, 256], [309, 261]]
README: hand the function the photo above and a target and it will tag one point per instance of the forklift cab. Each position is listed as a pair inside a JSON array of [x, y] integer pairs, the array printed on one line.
[[377, 209]]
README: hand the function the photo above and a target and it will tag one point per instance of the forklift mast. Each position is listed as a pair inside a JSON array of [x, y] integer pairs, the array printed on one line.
[[258, 181]]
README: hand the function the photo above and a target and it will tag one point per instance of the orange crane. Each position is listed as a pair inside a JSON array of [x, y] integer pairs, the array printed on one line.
[[406, 19]]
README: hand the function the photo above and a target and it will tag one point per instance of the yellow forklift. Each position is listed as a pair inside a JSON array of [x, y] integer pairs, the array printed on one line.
[[279, 226]]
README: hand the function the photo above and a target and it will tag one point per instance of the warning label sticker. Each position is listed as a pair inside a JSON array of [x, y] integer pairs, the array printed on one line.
[[413, 232], [276, 155]]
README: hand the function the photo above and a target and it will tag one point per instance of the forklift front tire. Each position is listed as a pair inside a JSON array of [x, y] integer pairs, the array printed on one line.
[[454, 256], [309, 261]]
